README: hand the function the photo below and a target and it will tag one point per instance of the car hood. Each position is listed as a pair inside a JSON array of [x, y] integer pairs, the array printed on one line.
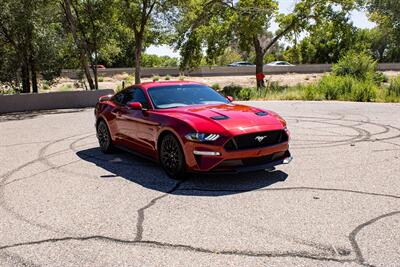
[[234, 118]]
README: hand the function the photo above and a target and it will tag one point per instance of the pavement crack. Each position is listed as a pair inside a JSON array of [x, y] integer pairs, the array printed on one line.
[[141, 211]]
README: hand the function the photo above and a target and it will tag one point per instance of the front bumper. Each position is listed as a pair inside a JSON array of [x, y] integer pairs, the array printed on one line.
[[235, 161]]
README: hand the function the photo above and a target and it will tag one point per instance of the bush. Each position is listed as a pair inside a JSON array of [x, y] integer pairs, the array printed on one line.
[[182, 77], [364, 91], [168, 77], [100, 79], [380, 78], [245, 94], [215, 86], [129, 80], [119, 88], [232, 90], [155, 78], [335, 87], [394, 87], [358, 65], [311, 92]]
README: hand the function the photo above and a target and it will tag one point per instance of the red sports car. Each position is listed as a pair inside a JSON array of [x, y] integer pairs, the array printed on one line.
[[189, 127]]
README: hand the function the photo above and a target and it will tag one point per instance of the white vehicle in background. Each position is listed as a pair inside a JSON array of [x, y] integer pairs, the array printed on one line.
[[278, 63], [241, 64]]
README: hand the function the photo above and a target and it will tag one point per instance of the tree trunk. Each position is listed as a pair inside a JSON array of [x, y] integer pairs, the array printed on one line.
[[96, 80], [26, 85], [85, 66], [33, 75], [259, 60], [82, 46], [138, 59]]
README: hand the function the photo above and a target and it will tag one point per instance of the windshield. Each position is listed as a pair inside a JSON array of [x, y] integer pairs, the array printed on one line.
[[184, 95]]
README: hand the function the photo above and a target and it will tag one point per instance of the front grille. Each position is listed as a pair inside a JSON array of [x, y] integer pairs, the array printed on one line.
[[256, 140]]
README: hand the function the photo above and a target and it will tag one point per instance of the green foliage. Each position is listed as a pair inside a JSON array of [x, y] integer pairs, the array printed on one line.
[[181, 78], [380, 77], [358, 65], [155, 78], [167, 78], [119, 88], [65, 88], [246, 94], [154, 61], [216, 86], [394, 87], [364, 91], [331, 87], [129, 80], [232, 90], [334, 87]]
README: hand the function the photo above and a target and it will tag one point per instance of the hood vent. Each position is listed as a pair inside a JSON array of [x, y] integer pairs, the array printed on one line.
[[220, 118], [261, 113]]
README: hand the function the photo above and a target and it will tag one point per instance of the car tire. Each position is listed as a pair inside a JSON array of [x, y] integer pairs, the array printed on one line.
[[172, 158], [104, 138]]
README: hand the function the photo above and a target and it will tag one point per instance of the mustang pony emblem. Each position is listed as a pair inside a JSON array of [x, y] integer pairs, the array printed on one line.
[[260, 138]]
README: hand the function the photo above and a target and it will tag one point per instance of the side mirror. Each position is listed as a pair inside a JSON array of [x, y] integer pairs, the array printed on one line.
[[105, 98], [230, 98], [135, 105]]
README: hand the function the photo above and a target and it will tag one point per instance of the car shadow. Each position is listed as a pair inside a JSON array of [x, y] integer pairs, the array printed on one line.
[[149, 175], [26, 115]]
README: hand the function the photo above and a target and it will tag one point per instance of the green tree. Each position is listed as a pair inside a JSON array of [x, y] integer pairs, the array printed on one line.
[[327, 41], [91, 24], [214, 24], [29, 39], [145, 18], [385, 13]]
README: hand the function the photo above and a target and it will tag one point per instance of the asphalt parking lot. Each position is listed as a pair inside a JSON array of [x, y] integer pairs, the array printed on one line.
[[64, 203]]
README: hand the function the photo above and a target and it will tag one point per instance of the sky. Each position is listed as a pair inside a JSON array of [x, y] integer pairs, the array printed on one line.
[[359, 19]]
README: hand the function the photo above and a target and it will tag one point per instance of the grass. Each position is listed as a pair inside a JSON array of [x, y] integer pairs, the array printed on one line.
[[155, 78], [65, 88], [331, 87]]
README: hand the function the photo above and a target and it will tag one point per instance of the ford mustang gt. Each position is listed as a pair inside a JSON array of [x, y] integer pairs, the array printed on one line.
[[189, 127]]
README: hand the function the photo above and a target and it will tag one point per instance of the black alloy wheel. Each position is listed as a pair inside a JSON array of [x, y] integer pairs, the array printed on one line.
[[104, 137], [171, 157]]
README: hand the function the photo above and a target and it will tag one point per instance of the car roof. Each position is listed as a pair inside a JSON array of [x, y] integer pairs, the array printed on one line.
[[148, 85]]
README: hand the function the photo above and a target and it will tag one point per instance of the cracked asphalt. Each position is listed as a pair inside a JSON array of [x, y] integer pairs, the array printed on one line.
[[64, 203]]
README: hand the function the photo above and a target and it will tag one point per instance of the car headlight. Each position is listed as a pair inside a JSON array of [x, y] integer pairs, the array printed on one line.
[[202, 137]]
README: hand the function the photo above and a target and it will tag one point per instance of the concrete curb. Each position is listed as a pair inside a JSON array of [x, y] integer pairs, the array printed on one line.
[[47, 101]]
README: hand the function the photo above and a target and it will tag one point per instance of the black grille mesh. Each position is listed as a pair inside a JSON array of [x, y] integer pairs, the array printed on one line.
[[256, 140]]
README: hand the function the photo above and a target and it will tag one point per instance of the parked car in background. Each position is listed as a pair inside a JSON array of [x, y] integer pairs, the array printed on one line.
[[241, 64], [189, 127], [278, 63]]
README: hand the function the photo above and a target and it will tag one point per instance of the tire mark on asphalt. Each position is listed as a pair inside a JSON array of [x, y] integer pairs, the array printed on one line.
[[353, 235], [363, 135], [164, 245], [4, 177], [288, 189], [16, 260]]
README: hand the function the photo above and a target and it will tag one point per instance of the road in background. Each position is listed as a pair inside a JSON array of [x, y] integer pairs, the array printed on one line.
[[64, 203], [224, 70]]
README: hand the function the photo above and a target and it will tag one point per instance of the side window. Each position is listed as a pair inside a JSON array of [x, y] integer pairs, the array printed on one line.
[[132, 95], [129, 96], [140, 97], [118, 98]]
